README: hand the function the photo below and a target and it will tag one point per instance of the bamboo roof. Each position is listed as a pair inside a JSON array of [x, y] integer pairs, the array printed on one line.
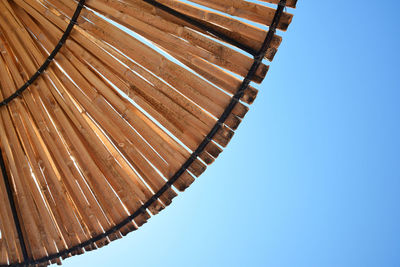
[[109, 108]]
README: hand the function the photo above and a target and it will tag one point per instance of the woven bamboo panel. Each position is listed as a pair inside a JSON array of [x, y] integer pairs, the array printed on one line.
[[133, 92]]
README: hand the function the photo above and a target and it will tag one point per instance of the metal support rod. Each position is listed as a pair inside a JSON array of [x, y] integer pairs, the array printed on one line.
[[202, 26], [13, 208]]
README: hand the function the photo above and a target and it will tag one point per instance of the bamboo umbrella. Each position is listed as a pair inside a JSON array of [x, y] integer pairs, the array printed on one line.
[[110, 107]]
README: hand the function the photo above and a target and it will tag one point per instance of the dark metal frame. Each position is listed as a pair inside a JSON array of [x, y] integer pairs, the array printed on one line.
[[258, 57], [13, 208]]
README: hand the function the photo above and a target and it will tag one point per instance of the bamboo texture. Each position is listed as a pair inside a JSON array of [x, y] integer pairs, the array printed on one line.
[[129, 96]]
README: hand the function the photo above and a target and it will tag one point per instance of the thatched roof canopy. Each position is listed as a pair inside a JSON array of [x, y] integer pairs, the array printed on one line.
[[108, 108]]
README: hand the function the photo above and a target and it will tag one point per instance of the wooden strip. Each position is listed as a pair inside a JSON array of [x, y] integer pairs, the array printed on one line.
[[247, 10]]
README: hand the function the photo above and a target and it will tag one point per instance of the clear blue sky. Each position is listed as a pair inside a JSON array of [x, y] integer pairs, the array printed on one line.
[[312, 177]]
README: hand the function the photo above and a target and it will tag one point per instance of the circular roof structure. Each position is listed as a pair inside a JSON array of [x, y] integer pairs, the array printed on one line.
[[109, 108]]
